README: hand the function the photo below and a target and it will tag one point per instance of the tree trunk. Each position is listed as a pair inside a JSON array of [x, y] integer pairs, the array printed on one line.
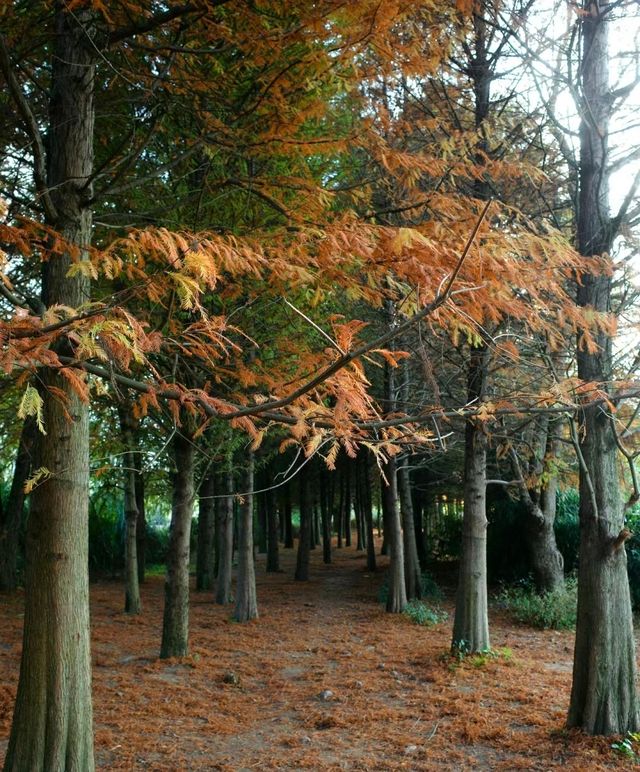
[[225, 543], [273, 556], [347, 504], [326, 496], [368, 517], [246, 601], [12, 515], [412, 573], [471, 623], [52, 720], [141, 530], [397, 597], [128, 427], [175, 622], [304, 537], [205, 556], [288, 524], [603, 694]]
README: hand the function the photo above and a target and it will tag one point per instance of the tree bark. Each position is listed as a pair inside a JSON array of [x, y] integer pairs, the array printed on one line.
[[128, 427], [52, 720], [175, 621], [603, 694], [368, 516], [11, 516], [326, 498], [412, 572], [397, 597], [225, 543], [205, 556], [471, 622], [246, 600]]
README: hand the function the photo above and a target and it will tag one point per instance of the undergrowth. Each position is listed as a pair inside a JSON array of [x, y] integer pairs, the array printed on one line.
[[421, 614], [554, 610]]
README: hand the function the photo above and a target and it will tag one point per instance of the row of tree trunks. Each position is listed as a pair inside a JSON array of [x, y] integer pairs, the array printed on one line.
[[129, 426]]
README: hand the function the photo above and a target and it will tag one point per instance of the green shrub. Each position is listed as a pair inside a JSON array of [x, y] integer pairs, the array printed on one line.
[[421, 614], [548, 610]]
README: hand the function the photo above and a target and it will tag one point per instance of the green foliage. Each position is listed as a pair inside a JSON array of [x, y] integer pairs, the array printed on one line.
[[421, 614], [105, 531], [548, 610], [567, 528], [629, 746]]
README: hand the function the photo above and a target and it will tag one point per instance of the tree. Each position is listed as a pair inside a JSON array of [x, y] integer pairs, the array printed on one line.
[[603, 694]]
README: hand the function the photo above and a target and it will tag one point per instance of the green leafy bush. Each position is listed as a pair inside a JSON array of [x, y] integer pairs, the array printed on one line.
[[567, 527], [548, 610], [421, 614]]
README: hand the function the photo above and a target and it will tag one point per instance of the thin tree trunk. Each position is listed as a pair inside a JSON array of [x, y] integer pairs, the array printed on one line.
[[603, 694], [246, 600], [288, 519], [304, 538], [471, 623], [326, 494], [52, 720], [128, 427], [397, 597], [225, 542], [205, 556], [273, 555], [141, 530], [412, 573], [337, 519], [12, 514], [347, 504], [368, 517]]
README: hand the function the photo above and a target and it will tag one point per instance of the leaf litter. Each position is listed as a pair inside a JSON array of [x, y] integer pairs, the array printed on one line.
[[323, 680]]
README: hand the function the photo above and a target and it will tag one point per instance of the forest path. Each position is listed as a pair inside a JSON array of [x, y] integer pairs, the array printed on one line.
[[255, 696]]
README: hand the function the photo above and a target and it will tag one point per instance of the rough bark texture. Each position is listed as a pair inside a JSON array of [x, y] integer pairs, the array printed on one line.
[[471, 623], [52, 721], [128, 427], [246, 601], [412, 572], [603, 695], [205, 556], [175, 621], [225, 543], [304, 536], [12, 514], [397, 597]]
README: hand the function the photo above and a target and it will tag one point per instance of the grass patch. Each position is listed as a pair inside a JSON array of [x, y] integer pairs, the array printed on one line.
[[421, 614]]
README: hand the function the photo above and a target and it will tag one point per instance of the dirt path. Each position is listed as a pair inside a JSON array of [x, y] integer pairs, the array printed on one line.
[[324, 680]]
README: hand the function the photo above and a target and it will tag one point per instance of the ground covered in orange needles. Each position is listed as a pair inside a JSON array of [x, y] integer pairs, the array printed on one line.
[[324, 680]]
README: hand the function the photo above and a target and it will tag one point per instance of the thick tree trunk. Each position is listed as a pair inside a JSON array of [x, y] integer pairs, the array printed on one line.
[[603, 694], [128, 427], [304, 537], [52, 721], [225, 543], [246, 601], [175, 622], [12, 514], [412, 572], [205, 556], [471, 623]]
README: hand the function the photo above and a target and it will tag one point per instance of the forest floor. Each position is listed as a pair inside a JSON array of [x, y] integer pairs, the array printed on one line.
[[323, 680]]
